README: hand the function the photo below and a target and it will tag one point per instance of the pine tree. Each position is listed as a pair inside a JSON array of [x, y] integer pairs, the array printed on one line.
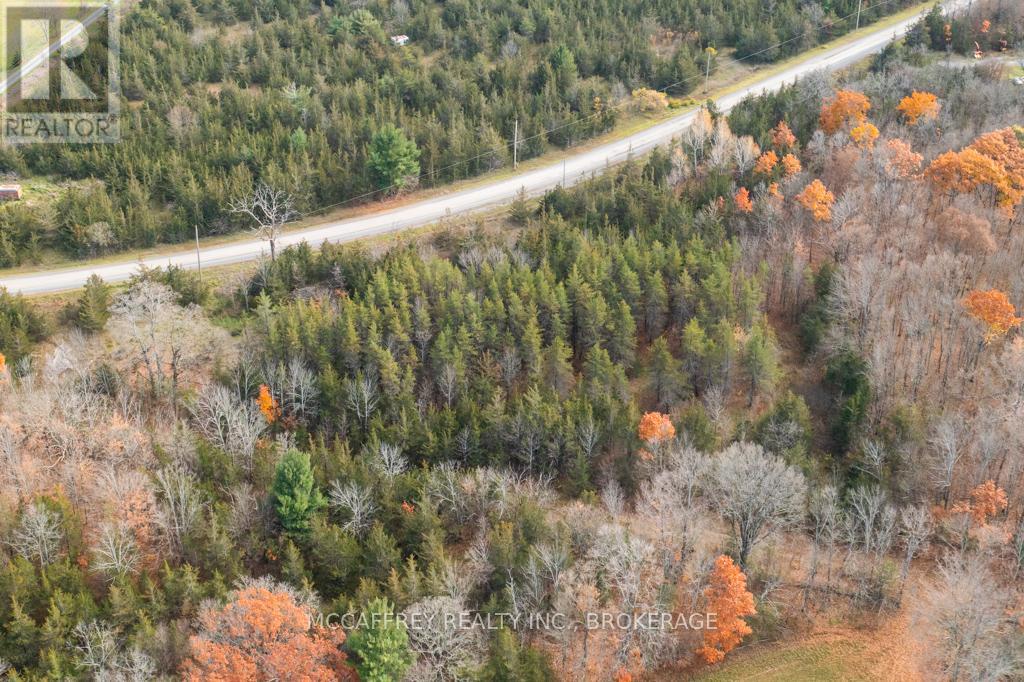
[[295, 494], [382, 645], [93, 305], [760, 360], [666, 377], [380, 553], [557, 368], [511, 662], [530, 349], [695, 348], [622, 335], [393, 158]]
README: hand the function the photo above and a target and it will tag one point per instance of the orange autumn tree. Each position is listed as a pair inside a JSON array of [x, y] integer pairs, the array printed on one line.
[[918, 106], [1005, 148], [987, 500], [766, 163], [846, 110], [782, 136], [264, 633], [742, 200], [730, 602], [994, 159], [791, 165], [994, 310], [655, 428], [3, 363], [268, 404], [816, 198]]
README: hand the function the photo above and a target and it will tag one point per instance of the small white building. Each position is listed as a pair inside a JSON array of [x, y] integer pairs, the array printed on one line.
[[400, 40], [10, 193]]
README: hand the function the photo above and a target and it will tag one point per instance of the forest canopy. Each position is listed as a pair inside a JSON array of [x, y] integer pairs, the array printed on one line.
[[222, 96]]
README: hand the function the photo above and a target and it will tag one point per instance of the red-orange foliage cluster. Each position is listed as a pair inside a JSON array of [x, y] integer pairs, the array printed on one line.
[[919, 105], [782, 136], [268, 404], [994, 309], [729, 601], [847, 109], [987, 500], [3, 363], [818, 200], [995, 159], [742, 200], [263, 634], [656, 427], [903, 161]]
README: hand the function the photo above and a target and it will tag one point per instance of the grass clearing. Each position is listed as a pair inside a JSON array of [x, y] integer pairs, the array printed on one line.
[[842, 660], [882, 651]]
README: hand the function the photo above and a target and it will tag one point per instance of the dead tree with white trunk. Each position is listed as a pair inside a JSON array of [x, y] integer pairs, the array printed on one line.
[[270, 209]]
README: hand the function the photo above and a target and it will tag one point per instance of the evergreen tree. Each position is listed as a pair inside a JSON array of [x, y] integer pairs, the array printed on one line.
[[511, 662], [666, 378], [295, 494], [93, 305], [382, 645], [393, 158], [760, 360]]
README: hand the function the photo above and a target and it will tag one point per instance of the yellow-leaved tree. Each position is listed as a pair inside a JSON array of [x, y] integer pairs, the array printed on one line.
[[919, 106]]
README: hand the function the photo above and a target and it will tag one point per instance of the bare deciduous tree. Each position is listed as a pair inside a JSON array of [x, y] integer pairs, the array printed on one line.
[[180, 504], [230, 424], [964, 617], [443, 647], [948, 443], [757, 493], [168, 339], [362, 398], [826, 519], [915, 527], [38, 536], [356, 501], [116, 553], [390, 461], [613, 498], [101, 652], [269, 209]]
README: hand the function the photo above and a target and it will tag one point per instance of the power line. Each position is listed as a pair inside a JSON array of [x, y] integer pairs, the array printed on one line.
[[519, 141]]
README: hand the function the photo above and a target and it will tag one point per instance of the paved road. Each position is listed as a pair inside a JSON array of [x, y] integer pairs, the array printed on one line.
[[431, 210]]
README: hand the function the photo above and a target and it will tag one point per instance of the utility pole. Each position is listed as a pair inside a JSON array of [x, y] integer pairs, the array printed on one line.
[[711, 52], [515, 146], [860, 3], [199, 262]]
